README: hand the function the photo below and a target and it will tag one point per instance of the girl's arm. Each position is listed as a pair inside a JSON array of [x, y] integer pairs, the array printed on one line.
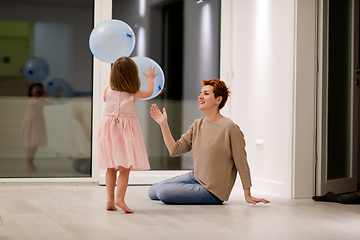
[[150, 85], [79, 115], [105, 91], [48, 102], [32, 101], [161, 119]]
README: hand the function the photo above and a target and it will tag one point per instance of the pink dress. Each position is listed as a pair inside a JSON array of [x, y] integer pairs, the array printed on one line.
[[120, 141], [33, 127]]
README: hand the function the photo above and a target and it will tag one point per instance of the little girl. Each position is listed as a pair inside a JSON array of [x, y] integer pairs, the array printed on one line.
[[33, 127], [120, 141]]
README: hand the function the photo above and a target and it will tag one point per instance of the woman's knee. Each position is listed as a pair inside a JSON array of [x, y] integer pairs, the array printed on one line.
[[152, 192], [171, 193], [168, 193], [159, 191]]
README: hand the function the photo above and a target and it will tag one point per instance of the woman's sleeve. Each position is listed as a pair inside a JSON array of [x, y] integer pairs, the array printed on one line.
[[184, 144], [237, 144]]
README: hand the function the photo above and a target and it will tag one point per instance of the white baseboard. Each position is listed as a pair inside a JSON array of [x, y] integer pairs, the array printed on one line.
[[271, 187]]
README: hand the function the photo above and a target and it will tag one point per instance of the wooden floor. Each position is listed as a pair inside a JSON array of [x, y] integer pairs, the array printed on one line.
[[51, 211]]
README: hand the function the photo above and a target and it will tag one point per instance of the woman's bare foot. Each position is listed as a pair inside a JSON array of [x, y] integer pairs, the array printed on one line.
[[123, 206], [110, 206]]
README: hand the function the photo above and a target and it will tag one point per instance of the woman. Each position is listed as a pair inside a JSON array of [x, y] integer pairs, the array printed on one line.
[[218, 149]]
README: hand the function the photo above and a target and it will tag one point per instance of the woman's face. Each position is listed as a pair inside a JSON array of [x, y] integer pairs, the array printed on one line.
[[207, 98]]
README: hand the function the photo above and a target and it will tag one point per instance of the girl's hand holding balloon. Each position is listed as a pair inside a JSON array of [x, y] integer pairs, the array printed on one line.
[[143, 64], [151, 73], [160, 118]]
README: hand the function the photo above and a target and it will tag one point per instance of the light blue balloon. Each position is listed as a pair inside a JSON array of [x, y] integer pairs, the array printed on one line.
[[36, 70], [59, 88], [143, 63], [111, 39]]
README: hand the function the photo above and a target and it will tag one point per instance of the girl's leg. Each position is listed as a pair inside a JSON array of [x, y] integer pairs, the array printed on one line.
[[30, 154], [122, 184], [110, 179]]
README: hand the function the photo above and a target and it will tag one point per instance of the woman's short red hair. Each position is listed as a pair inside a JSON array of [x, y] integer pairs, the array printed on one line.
[[219, 89]]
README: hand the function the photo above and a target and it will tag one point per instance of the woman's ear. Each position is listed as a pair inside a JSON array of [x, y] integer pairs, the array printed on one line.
[[219, 99]]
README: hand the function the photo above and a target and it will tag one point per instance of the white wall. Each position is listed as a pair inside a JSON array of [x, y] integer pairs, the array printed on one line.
[[258, 62]]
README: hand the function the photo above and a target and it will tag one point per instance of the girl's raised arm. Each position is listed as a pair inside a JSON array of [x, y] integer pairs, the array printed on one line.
[[150, 84]]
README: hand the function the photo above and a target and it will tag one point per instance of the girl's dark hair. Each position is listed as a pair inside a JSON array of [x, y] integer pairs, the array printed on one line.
[[124, 75], [32, 85], [219, 89]]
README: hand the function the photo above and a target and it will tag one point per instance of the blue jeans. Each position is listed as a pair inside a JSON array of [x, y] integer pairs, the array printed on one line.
[[183, 189]]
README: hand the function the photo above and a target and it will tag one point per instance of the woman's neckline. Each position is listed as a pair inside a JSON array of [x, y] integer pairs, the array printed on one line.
[[215, 120]]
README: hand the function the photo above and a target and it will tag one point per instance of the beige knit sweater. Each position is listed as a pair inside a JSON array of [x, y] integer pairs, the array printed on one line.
[[218, 149]]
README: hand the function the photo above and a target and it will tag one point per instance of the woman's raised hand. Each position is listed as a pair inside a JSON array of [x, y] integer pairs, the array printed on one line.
[[151, 73], [156, 114]]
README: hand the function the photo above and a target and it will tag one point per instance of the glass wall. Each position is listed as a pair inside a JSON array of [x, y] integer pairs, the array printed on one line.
[[183, 37], [45, 88]]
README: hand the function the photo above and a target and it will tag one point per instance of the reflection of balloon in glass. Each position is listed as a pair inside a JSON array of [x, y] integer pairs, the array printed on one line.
[[36, 70], [111, 39], [59, 88], [143, 63]]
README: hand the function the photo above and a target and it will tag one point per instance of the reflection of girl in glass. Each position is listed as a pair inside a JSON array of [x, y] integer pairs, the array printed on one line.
[[33, 126]]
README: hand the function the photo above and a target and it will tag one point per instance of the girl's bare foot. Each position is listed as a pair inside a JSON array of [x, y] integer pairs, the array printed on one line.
[[123, 206], [31, 167], [110, 206]]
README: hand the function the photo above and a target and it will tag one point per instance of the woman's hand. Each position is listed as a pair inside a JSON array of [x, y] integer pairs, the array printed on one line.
[[151, 73], [254, 201], [156, 114]]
